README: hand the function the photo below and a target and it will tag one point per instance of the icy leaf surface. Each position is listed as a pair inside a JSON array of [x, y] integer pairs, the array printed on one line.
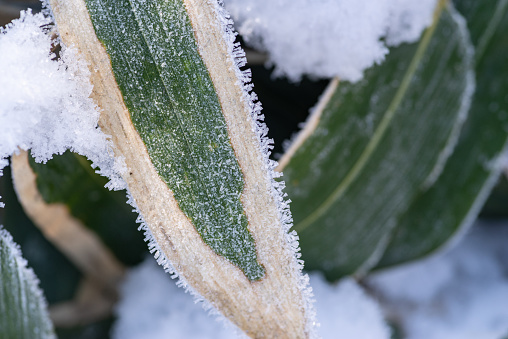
[[176, 111], [23, 309], [45, 104], [327, 38], [377, 144], [448, 208]]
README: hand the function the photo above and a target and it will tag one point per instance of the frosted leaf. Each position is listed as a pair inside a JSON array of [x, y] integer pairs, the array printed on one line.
[[327, 38], [185, 132], [260, 131], [23, 309]]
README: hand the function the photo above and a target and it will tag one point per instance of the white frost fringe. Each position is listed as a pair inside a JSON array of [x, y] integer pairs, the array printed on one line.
[[254, 107]]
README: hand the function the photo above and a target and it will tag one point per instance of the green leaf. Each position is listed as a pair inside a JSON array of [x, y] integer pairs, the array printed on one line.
[[377, 144], [23, 310], [446, 210], [176, 111], [166, 76]]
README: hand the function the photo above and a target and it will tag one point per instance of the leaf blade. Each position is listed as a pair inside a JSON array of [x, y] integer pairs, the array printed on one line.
[[70, 180], [447, 210], [353, 233], [176, 111], [278, 304], [23, 310]]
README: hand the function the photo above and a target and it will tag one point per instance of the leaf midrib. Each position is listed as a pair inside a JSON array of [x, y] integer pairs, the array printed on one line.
[[381, 129]]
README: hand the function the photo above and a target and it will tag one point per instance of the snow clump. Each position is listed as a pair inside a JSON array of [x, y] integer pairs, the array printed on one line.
[[45, 103], [327, 38]]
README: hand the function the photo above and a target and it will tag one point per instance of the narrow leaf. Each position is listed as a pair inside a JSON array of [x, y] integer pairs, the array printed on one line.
[[59, 278], [444, 212], [23, 309], [177, 113], [372, 146]]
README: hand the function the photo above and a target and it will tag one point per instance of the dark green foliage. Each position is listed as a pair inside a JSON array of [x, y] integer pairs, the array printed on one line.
[[69, 179], [379, 142], [455, 199]]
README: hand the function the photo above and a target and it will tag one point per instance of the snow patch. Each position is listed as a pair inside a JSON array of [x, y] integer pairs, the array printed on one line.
[[346, 311], [327, 38], [154, 307], [459, 293], [45, 103]]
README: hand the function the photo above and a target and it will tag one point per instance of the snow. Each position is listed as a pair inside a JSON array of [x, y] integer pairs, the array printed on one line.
[[459, 293], [346, 311], [44, 103], [153, 307], [327, 38]]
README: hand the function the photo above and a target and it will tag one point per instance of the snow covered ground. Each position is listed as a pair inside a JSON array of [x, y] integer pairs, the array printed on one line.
[[458, 293]]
